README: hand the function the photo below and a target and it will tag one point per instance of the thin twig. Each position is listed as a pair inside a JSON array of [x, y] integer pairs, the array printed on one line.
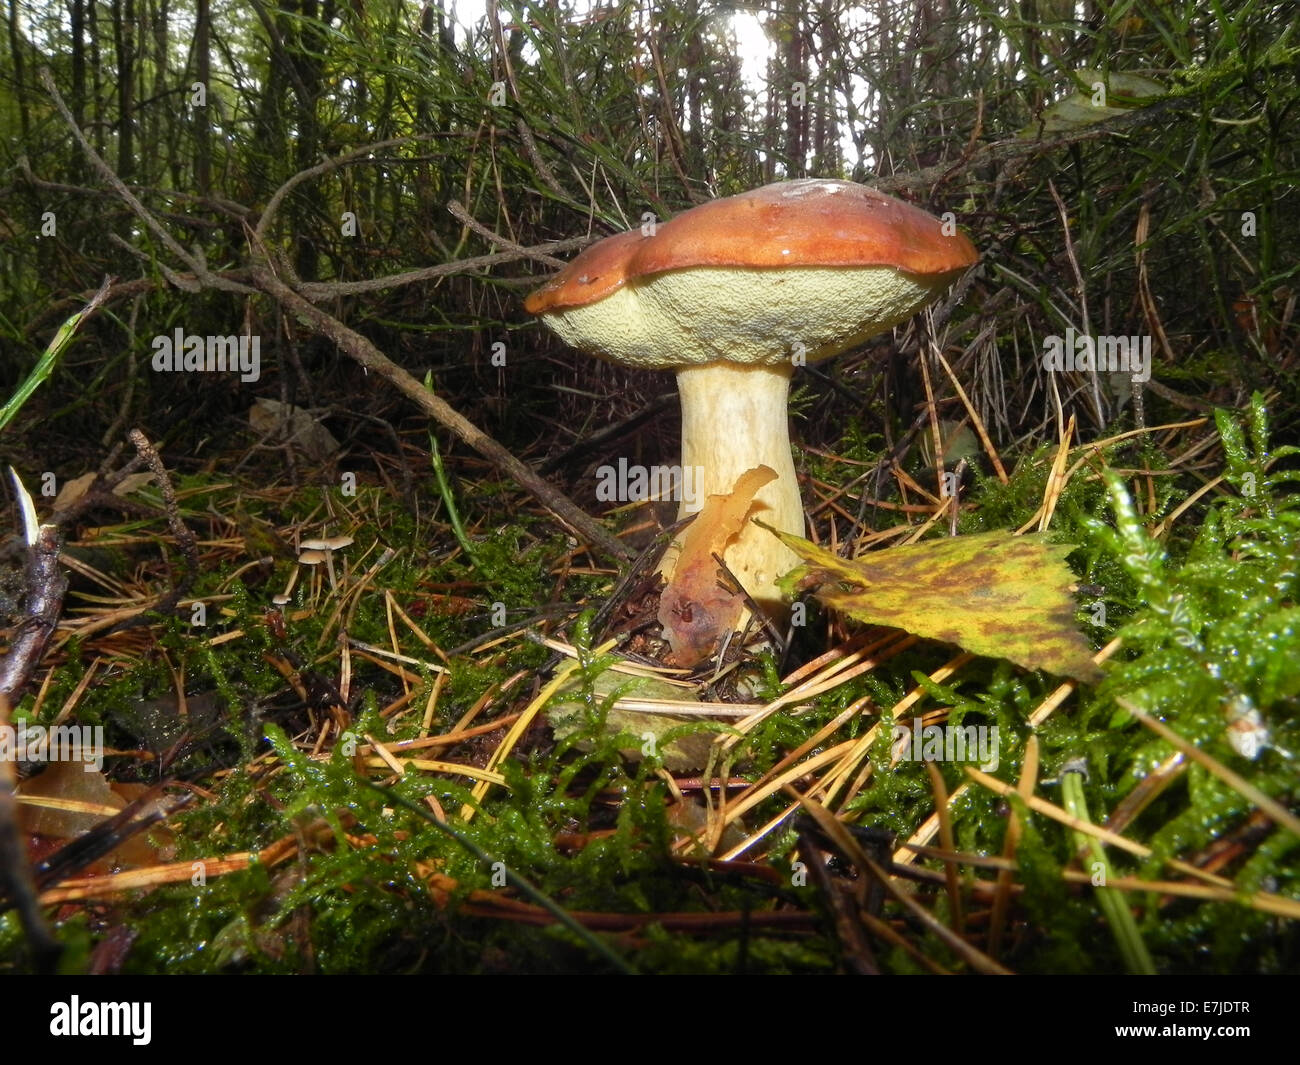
[[461, 215], [180, 531]]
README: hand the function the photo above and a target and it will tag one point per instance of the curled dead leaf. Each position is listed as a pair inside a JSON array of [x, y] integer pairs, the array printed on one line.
[[695, 610]]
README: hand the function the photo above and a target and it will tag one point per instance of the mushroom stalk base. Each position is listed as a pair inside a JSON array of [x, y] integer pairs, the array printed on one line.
[[735, 418]]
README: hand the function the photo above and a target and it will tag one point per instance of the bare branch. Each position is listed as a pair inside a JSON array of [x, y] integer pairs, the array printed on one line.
[[199, 267], [370, 357], [346, 159], [465, 218]]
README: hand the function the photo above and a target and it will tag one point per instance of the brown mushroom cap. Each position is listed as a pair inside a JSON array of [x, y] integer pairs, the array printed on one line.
[[811, 222], [821, 264]]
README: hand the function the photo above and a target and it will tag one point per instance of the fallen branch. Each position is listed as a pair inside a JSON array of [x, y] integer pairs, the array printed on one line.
[[43, 603], [371, 358]]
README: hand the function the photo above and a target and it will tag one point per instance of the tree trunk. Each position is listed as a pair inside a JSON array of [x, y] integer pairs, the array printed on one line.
[[16, 50], [124, 47], [202, 120]]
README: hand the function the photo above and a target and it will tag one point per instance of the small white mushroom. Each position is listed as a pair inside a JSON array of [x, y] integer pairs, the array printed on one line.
[[332, 543]]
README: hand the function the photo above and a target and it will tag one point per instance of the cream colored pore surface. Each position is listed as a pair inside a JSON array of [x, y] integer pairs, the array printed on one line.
[[707, 314]]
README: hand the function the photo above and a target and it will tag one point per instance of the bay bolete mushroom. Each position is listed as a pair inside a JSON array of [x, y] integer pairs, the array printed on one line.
[[732, 295]]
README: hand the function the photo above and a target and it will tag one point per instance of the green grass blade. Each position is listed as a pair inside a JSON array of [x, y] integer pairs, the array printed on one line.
[[45, 364]]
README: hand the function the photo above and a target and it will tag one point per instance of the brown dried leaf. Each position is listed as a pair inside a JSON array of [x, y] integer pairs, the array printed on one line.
[[694, 610]]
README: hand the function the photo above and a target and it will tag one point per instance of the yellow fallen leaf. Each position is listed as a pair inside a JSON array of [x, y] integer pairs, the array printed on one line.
[[995, 594]]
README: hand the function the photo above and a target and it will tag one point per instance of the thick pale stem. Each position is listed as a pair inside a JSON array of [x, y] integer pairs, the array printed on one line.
[[733, 419]]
